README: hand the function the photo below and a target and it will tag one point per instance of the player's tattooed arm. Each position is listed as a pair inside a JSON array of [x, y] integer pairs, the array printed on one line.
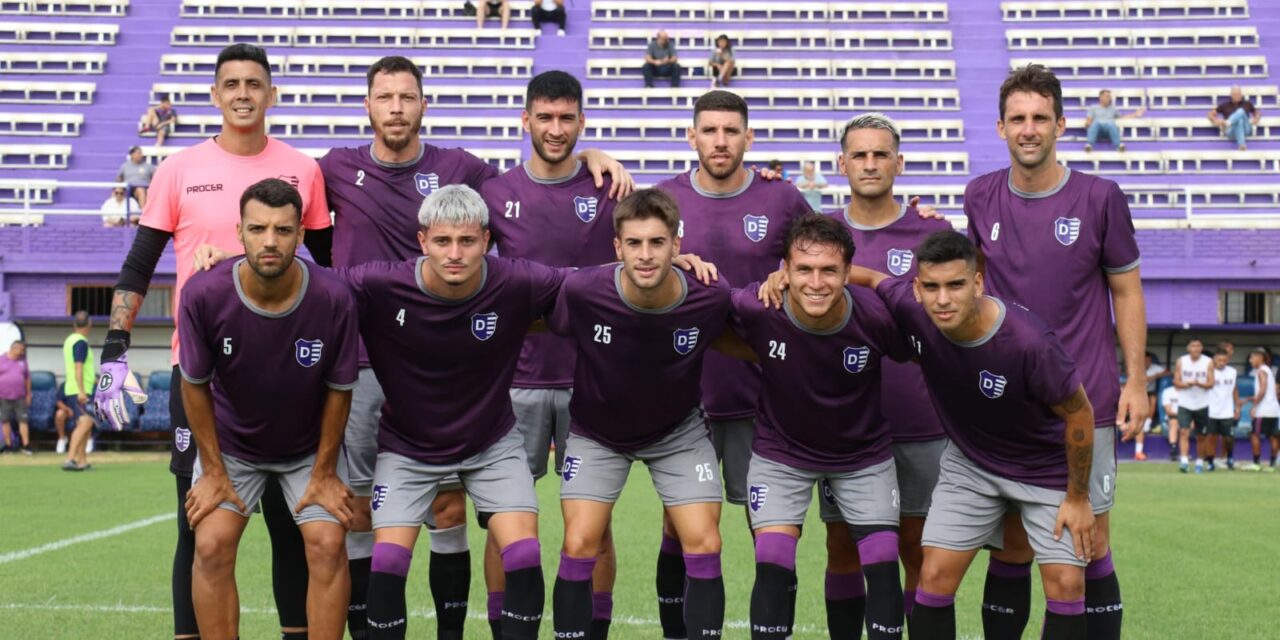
[[214, 486], [1076, 514], [124, 309]]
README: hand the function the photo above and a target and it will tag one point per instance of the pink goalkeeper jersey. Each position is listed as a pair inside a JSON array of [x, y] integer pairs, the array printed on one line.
[[195, 195]]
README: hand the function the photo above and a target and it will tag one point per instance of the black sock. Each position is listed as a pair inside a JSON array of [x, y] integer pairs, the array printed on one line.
[[884, 601], [599, 629], [387, 613], [670, 582], [184, 553], [450, 578], [357, 611], [293, 635], [495, 614], [1067, 621], [526, 592], [571, 604], [1006, 600], [933, 617], [288, 557], [793, 589], [601, 615], [703, 595], [1103, 606], [770, 609], [846, 596]]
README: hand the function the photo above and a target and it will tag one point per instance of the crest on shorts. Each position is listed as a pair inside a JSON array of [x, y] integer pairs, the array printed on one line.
[[308, 352], [1066, 230], [756, 227], [828, 495], [379, 497], [855, 359], [992, 385], [685, 340], [571, 466], [585, 207], [900, 261], [427, 183], [756, 494], [484, 325], [182, 438]]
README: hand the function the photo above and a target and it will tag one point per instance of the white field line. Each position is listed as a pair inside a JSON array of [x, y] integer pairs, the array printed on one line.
[[23, 554]]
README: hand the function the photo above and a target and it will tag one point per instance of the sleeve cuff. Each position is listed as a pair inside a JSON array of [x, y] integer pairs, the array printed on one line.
[[1126, 268], [340, 387], [192, 379]]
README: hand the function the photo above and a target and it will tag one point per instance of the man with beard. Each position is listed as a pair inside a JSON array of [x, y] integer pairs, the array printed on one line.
[[268, 322], [375, 191], [193, 200]]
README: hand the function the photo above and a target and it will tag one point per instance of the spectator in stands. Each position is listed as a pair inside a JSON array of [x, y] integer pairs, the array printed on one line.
[[161, 119], [119, 211], [15, 396], [721, 62], [81, 374], [136, 172], [811, 184], [661, 59], [549, 11], [493, 7], [1236, 117], [1102, 119]]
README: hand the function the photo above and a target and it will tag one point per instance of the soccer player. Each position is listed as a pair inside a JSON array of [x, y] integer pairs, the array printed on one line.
[[1062, 243], [659, 323], [1193, 377], [444, 333], [1266, 411], [818, 420], [375, 191], [734, 219], [550, 211], [1169, 400], [193, 200], [268, 321], [1224, 406], [1020, 425]]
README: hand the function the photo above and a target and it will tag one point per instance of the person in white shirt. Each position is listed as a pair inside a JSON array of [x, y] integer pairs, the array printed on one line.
[[118, 210], [1169, 400], [1224, 406], [1154, 372], [1265, 411], [1193, 376]]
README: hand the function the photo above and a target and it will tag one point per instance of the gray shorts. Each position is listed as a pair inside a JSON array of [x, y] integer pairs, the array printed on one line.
[[918, 464], [249, 479], [683, 467], [542, 414], [13, 410], [497, 479], [969, 505], [1102, 476], [779, 494], [732, 440], [361, 437]]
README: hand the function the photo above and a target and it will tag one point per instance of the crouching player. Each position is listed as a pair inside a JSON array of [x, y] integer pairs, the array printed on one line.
[[819, 421], [268, 360]]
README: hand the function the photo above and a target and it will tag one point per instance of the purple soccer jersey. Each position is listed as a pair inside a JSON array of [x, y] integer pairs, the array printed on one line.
[[993, 394], [446, 365], [639, 370], [560, 223], [891, 249], [819, 404], [742, 233], [269, 372], [1052, 252]]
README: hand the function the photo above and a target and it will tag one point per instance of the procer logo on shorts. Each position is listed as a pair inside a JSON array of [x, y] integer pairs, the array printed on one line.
[[204, 188]]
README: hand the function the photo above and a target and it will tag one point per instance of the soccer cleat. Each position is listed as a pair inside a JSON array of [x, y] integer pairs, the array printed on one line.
[[1183, 467], [1231, 464], [1139, 456], [62, 445], [1173, 454], [1199, 467], [70, 465], [1251, 467], [26, 451], [1270, 469]]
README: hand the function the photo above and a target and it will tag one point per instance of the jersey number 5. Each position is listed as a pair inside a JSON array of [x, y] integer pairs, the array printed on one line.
[[226, 346]]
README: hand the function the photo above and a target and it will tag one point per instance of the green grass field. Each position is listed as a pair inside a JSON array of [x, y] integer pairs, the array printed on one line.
[[1195, 555]]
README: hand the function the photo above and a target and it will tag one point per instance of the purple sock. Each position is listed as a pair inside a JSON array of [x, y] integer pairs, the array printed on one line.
[[1066, 607], [1100, 568], [926, 599], [845, 586], [670, 546], [391, 558], [702, 566], [881, 546], [495, 605], [521, 554], [602, 605], [575, 569], [908, 601], [1005, 570], [776, 548]]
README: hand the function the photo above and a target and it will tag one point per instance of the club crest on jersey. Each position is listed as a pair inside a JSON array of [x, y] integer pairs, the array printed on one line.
[[484, 325], [756, 494], [308, 351], [585, 207], [1066, 230], [182, 438], [991, 385], [855, 359], [572, 464], [900, 261], [756, 227], [427, 183], [685, 340], [379, 496]]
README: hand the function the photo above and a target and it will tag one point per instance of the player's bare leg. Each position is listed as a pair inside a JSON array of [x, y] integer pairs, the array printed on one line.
[[697, 526], [1064, 594], [1006, 597], [910, 533], [328, 583], [934, 615], [76, 453], [586, 523], [213, 576], [845, 589]]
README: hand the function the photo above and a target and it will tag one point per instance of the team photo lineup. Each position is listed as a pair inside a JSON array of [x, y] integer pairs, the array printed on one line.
[[398, 338]]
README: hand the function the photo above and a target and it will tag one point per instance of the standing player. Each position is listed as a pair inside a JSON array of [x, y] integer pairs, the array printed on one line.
[[1062, 243], [1193, 378], [268, 321], [1169, 400], [1021, 427], [193, 200], [735, 220], [375, 191], [659, 323], [1266, 411], [819, 420], [1224, 406]]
